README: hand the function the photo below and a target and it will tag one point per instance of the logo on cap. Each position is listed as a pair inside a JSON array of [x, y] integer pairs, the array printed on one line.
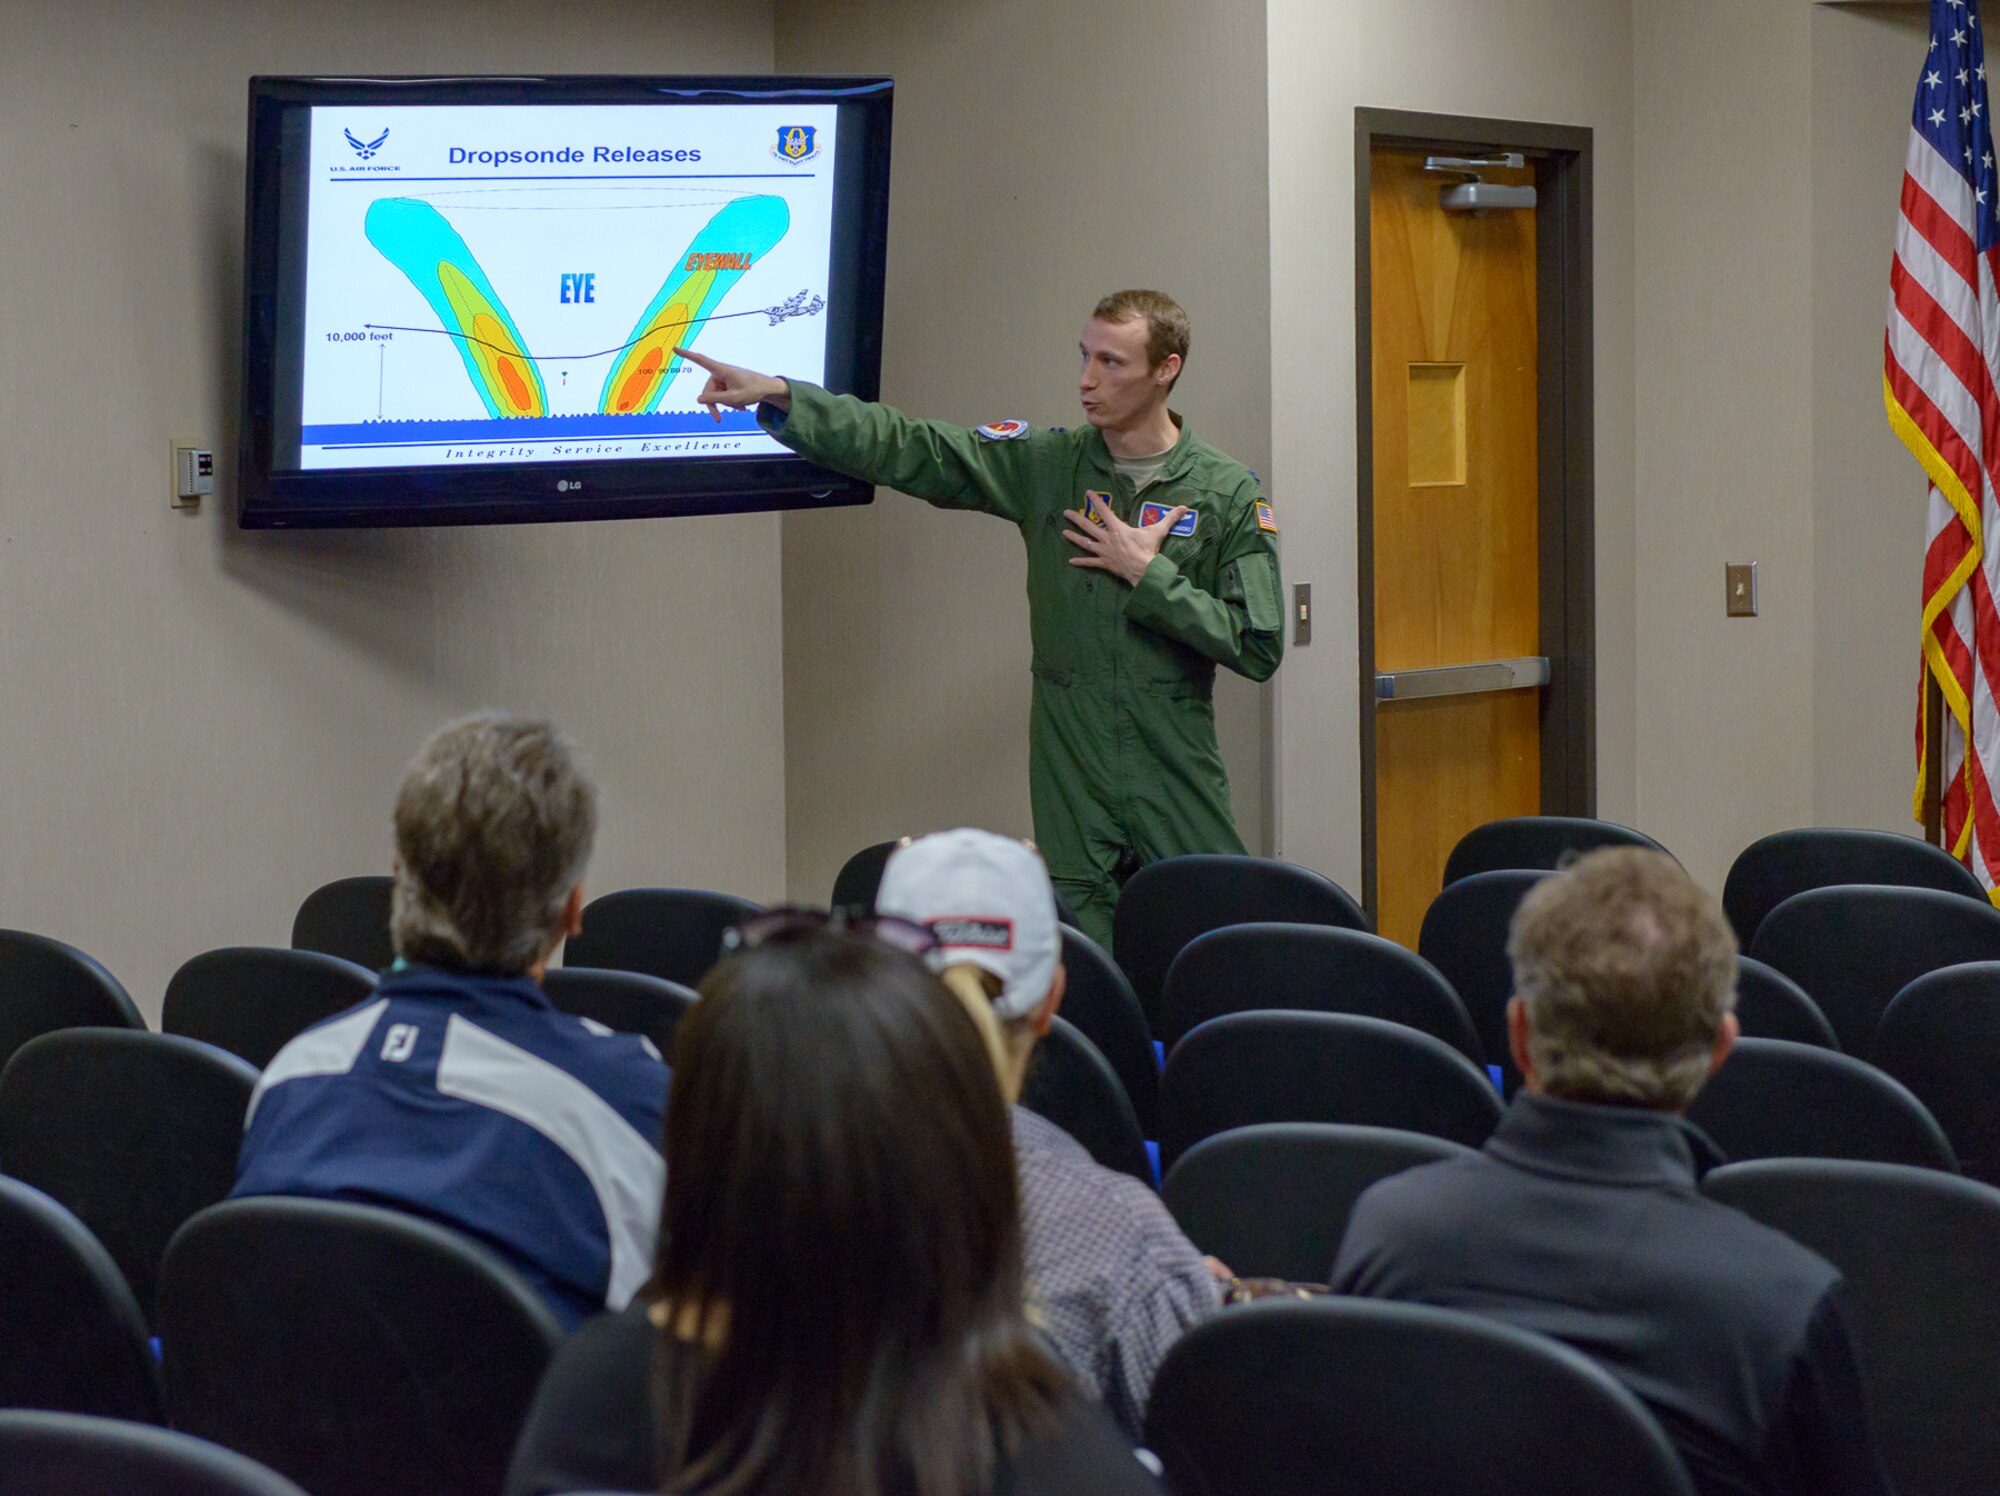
[[973, 932]]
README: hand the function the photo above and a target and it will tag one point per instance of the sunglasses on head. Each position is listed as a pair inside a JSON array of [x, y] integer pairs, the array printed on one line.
[[797, 921]]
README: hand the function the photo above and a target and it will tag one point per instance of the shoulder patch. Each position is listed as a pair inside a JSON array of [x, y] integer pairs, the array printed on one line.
[[1003, 431], [1265, 520]]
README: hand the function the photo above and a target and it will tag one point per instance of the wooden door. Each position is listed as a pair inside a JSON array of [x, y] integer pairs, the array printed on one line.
[[1455, 520]]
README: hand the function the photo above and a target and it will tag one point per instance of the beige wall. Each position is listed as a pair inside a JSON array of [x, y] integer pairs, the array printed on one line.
[[1868, 496], [1563, 62], [1045, 153], [202, 724]]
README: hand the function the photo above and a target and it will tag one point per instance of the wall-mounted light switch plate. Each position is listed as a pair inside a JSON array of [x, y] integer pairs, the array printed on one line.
[[1742, 583], [194, 473], [1302, 613]]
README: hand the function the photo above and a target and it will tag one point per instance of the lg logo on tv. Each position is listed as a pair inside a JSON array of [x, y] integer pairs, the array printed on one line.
[[569, 485]]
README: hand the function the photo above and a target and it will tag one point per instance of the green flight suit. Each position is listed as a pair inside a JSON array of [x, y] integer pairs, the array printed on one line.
[[1123, 766]]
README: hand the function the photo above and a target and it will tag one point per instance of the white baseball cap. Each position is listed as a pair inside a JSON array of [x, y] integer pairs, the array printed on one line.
[[988, 901]]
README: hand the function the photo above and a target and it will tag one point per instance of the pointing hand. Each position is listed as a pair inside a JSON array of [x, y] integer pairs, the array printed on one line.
[[736, 387]]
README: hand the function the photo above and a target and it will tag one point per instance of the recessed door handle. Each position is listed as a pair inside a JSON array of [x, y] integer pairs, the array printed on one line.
[[1463, 680]]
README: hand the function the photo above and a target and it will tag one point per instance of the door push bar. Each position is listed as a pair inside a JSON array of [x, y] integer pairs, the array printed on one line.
[[1463, 680]]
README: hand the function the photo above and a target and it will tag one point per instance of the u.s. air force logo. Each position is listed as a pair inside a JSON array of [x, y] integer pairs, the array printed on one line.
[[796, 143], [1003, 431]]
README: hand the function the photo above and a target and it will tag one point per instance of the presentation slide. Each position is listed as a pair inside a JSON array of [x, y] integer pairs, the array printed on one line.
[[508, 283]]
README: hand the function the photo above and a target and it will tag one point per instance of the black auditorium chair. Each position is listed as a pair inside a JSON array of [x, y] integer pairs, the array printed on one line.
[[1166, 904], [79, 1456], [356, 1350], [1464, 935], [1773, 868], [1941, 1038], [1319, 1067], [674, 933], [1099, 1002], [855, 884], [1536, 842], [1854, 947], [1770, 1005], [628, 1001], [253, 1000], [1311, 968], [1272, 1200], [1776, 1099], [1361, 1397], [75, 1341], [46, 985], [1071, 1084], [1920, 1253], [133, 1132], [348, 918]]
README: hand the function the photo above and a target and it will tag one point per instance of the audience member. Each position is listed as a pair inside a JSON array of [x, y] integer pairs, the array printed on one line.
[[837, 1307], [1108, 1270], [459, 1093], [1581, 1219]]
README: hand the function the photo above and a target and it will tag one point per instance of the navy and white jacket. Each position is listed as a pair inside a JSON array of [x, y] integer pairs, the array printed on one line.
[[472, 1101]]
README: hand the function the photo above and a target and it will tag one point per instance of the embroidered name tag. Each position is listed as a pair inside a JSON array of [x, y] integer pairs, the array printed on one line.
[[1152, 514], [1003, 431]]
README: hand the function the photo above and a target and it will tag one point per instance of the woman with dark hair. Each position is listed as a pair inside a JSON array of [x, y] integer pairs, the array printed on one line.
[[837, 1307]]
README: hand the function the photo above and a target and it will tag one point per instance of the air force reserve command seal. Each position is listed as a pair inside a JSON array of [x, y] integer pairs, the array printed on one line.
[[1003, 431], [796, 143]]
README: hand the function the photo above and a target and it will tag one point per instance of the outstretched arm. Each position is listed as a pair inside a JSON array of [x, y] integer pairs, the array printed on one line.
[[953, 467]]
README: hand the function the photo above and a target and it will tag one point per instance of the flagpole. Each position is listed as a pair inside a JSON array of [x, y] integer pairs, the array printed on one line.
[[1933, 761]]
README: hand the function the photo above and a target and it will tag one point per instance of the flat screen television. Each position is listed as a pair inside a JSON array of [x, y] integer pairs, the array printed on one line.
[[462, 296]]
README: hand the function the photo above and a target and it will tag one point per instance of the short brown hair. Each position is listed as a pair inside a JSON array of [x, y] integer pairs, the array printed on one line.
[[1626, 966], [494, 824], [1166, 323]]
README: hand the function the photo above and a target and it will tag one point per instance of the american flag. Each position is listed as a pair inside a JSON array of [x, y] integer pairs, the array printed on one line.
[[1940, 371]]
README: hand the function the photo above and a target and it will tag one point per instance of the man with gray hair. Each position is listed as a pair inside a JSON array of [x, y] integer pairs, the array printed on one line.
[[458, 1092], [1581, 1219]]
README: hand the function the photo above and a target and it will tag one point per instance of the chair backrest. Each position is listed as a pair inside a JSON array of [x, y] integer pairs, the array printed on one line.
[[133, 1132], [348, 918], [628, 1001], [1776, 1099], [1272, 1201], [355, 1350], [1920, 1251], [1770, 1005], [80, 1456], [254, 1000], [1074, 1086], [1536, 842], [1311, 968], [1854, 947], [1319, 1067], [674, 933], [855, 884], [75, 1340], [1773, 868], [1167, 903], [1100, 1002], [1464, 935], [46, 985], [1361, 1397], [1941, 1038]]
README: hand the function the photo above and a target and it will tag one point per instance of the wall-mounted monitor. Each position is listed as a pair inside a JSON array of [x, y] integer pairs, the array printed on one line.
[[463, 295]]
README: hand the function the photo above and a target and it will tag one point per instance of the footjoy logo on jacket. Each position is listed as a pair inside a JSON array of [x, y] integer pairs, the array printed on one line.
[[974, 931]]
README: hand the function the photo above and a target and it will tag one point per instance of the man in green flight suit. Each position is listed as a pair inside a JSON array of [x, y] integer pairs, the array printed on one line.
[[1152, 557]]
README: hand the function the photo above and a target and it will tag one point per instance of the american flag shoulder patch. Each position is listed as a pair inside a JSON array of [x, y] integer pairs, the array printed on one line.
[[1265, 520]]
